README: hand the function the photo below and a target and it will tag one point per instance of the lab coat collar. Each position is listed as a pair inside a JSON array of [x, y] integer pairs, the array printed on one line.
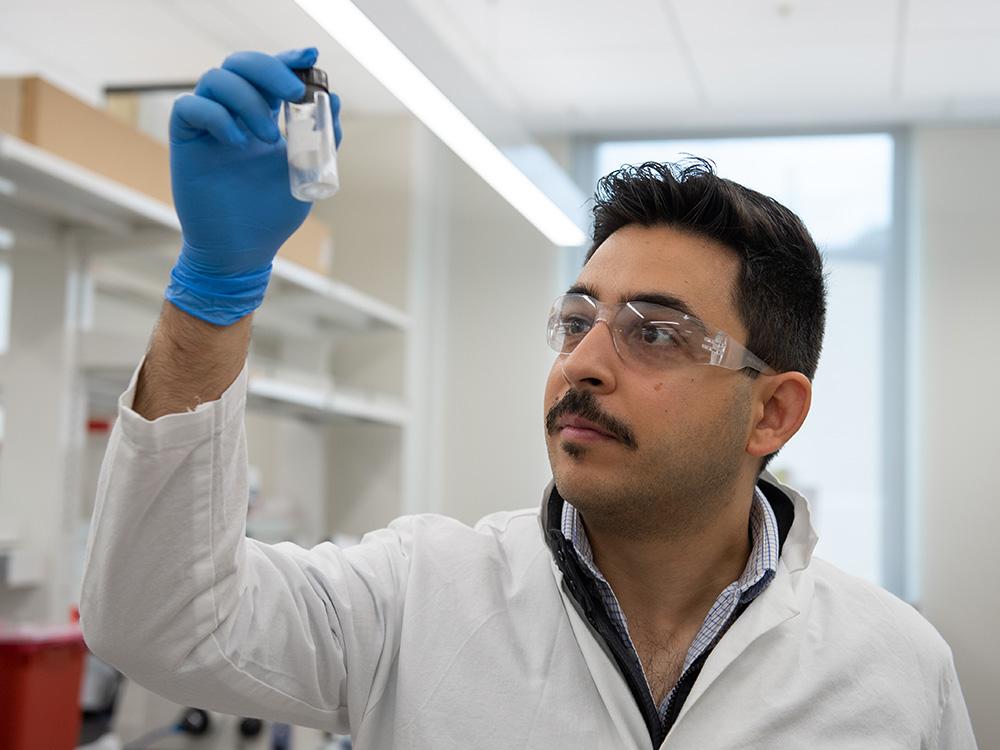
[[782, 600], [796, 549]]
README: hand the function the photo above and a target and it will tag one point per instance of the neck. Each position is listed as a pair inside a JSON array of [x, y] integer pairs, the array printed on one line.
[[671, 581]]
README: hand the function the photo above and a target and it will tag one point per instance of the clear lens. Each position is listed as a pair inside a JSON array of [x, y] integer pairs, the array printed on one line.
[[649, 335], [657, 336], [571, 319]]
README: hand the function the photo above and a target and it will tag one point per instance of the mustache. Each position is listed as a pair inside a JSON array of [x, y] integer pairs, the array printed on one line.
[[584, 404]]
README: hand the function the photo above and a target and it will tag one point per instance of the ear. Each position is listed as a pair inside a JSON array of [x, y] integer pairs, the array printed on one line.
[[781, 403]]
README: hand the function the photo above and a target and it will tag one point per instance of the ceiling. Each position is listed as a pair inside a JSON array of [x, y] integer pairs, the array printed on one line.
[[580, 66], [649, 65]]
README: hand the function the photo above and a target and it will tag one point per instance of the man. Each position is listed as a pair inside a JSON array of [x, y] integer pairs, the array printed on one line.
[[663, 594]]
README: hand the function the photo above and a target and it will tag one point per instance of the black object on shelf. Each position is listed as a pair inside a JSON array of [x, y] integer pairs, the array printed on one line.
[[195, 721], [250, 728]]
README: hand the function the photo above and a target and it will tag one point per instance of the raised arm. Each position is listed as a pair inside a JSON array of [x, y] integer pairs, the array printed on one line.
[[174, 594]]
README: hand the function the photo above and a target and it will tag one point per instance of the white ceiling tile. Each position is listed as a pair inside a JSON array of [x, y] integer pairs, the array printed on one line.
[[937, 19], [506, 26], [795, 23], [574, 64], [951, 69], [583, 81], [817, 72], [474, 22], [563, 57], [469, 35], [772, 51]]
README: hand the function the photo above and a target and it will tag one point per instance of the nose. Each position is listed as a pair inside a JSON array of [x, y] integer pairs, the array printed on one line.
[[594, 364]]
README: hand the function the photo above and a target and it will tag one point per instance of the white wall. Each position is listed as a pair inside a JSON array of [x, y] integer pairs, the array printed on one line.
[[502, 275], [957, 365], [372, 230], [477, 279]]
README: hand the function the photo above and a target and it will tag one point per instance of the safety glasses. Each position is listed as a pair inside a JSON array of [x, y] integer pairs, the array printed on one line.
[[648, 335]]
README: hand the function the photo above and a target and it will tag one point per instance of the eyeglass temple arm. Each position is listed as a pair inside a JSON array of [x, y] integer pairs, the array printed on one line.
[[724, 352]]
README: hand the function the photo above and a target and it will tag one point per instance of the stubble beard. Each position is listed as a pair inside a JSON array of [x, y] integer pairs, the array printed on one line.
[[668, 490]]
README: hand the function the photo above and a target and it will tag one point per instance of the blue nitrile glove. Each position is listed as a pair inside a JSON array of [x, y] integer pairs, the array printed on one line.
[[229, 173]]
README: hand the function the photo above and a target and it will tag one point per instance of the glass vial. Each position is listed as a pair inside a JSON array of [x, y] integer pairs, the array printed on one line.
[[312, 149]]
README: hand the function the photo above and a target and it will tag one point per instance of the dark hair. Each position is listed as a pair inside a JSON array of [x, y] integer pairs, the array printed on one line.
[[780, 293]]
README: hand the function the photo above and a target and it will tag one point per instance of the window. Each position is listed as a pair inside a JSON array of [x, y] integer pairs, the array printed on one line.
[[843, 460]]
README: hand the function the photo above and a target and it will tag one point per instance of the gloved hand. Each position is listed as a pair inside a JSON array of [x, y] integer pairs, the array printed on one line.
[[229, 173]]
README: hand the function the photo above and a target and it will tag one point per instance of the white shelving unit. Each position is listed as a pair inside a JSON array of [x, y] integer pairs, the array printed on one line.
[[299, 302], [62, 191], [328, 402], [74, 240], [131, 240], [107, 360]]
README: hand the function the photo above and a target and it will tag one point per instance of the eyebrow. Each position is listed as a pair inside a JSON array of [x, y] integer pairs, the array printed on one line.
[[654, 298]]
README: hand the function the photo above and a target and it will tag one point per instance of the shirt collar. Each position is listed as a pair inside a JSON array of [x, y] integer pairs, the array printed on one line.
[[761, 564]]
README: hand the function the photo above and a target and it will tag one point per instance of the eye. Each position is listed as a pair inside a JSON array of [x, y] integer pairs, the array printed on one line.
[[574, 325], [659, 335]]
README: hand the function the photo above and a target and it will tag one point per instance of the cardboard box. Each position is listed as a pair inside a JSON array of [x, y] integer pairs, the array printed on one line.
[[311, 246], [37, 112], [10, 104], [44, 115], [125, 107]]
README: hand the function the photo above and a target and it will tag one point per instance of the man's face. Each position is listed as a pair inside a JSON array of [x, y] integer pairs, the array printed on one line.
[[679, 434]]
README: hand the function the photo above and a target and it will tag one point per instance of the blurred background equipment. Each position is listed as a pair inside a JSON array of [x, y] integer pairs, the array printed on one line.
[[98, 697]]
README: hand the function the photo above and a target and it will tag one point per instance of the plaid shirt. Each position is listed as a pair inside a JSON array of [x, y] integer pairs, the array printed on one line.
[[759, 570]]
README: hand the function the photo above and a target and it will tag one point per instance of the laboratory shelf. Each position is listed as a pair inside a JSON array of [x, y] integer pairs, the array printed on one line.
[[92, 258], [109, 359], [325, 403], [307, 292], [46, 184], [133, 242], [299, 302]]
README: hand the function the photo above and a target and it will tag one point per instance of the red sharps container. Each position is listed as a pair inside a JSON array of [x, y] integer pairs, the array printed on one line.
[[40, 673]]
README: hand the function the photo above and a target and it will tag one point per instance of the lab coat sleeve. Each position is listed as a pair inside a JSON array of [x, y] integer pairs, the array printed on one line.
[[176, 597], [955, 726]]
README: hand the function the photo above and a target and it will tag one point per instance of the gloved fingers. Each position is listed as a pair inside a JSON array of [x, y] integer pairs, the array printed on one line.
[[238, 96], [335, 109], [193, 116], [299, 58], [272, 75], [259, 69]]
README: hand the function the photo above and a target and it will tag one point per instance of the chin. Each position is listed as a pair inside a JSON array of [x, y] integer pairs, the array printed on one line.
[[577, 467], [578, 478]]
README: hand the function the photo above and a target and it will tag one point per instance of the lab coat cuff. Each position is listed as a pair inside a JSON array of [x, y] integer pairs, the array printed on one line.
[[183, 428]]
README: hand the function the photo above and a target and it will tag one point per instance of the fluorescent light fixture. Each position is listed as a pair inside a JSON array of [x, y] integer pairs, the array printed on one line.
[[352, 29]]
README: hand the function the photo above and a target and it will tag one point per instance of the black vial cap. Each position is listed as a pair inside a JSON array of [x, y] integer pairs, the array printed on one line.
[[315, 80]]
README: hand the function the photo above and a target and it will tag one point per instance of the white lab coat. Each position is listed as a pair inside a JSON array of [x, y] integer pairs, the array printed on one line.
[[431, 634]]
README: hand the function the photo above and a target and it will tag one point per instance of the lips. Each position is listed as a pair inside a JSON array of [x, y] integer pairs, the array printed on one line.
[[575, 424], [566, 419]]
